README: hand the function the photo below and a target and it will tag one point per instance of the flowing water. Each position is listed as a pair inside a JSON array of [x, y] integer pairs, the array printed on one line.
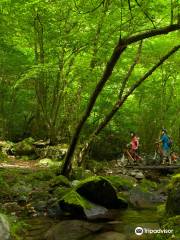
[[125, 222]]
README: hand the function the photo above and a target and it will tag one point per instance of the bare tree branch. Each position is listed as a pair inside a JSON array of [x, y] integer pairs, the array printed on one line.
[[136, 59], [145, 13]]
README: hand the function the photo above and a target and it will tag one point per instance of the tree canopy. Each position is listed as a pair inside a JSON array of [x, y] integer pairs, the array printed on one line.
[[89, 71]]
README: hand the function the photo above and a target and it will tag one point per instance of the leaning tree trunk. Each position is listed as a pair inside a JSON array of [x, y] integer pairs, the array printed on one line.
[[120, 102], [86, 147], [107, 73], [118, 50]]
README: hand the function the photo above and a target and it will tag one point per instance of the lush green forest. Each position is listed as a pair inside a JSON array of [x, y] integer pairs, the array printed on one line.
[[54, 53], [84, 74]]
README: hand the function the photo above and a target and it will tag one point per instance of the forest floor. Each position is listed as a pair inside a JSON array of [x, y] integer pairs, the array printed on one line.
[[26, 192], [21, 164]]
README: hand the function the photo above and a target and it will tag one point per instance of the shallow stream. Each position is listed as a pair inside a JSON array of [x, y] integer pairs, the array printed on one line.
[[125, 222]]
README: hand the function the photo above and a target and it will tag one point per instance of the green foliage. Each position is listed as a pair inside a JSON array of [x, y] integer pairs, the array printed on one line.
[[42, 175], [170, 223], [3, 157], [53, 53], [174, 179], [161, 209], [59, 180], [60, 192], [17, 227], [95, 166]]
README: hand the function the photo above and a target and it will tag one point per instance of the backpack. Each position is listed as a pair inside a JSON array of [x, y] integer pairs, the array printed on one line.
[[170, 142]]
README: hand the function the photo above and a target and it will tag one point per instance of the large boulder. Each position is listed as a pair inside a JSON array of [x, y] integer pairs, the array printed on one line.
[[90, 198], [173, 200], [100, 191], [78, 206], [4, 228], [122, 183]]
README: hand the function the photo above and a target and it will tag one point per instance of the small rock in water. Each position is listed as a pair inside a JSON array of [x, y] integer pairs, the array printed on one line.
[[96, 212]]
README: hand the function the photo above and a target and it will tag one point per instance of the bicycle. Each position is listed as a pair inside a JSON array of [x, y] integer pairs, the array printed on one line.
[[161, 158]]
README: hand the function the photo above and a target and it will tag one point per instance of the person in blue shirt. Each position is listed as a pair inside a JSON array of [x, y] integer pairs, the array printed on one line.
[[164, 139]]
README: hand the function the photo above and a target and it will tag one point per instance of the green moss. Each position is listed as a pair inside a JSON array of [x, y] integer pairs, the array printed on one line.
[[3, 156], [73, 198], [148, 185], [90, 179], [17, 228], [5, 189], [24, 147], [174, 179], [161, 209], [60, 192], [95, 166], [42, 175], [120, 183], [77, 173], [59, 180], [171, 223]]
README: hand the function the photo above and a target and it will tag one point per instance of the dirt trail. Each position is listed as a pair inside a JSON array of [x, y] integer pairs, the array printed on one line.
[[21, 164]]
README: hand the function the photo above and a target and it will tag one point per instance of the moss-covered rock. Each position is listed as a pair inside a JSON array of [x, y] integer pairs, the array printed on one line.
[[148, 185], [56, 152], [141, 199], [24, 147], [173, 200], [78, 206], [75, 204], [121, 182], [60, 192], [89, 198], [99, 190]]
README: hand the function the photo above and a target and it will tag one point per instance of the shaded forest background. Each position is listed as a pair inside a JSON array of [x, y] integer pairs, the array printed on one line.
[[53, 54]]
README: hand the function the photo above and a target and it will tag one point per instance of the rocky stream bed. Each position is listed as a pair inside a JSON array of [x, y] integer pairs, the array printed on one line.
[[104, 202]]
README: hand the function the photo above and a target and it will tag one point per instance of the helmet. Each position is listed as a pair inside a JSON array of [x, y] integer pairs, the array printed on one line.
[[164, 130]]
